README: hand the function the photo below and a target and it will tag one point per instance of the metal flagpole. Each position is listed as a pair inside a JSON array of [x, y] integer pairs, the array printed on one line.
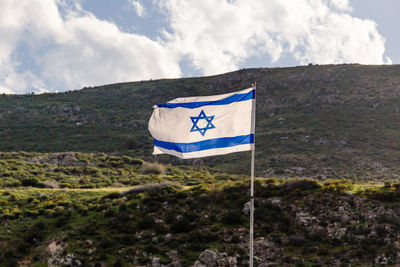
[[252, 182]]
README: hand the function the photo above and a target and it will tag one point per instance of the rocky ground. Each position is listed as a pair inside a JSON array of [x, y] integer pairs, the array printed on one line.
[[297, 223]]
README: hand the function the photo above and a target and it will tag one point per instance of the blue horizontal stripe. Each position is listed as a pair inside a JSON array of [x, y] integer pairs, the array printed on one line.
[[206, 144], [229, 100]]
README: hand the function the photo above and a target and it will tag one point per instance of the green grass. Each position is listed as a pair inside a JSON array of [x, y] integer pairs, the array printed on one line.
[[114, 220]]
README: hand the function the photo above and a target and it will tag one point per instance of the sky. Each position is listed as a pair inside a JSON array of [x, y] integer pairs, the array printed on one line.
[[61, 45]]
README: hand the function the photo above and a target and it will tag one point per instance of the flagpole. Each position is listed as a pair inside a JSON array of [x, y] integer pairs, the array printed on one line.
[[252, 184]]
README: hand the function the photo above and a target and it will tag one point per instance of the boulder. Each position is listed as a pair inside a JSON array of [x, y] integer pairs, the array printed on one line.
[[155, 262], [209, 258], [246, 209]]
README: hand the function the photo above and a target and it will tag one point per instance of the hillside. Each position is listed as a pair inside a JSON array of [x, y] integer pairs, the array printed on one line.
[[316, 121], [56, 211], [79, 187]]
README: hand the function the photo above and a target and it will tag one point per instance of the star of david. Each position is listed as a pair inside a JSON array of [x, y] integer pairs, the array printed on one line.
[[202, 116]]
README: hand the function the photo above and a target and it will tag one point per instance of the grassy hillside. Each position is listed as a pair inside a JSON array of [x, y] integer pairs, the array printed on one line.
[[55, 211], [317, 121]]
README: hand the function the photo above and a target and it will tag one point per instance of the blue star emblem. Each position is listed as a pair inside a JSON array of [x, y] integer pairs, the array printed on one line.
[[202, 116]]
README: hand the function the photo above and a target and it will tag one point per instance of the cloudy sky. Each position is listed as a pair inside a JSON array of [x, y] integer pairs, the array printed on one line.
[[59, 45]]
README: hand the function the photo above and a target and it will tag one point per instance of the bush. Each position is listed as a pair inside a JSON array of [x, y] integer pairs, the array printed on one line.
[[337, 185], [31, 213], [181, 226], [271, 180], [301, 184], [147, 222], [36, 231], [131, 144], [31, 181], [232, 217]]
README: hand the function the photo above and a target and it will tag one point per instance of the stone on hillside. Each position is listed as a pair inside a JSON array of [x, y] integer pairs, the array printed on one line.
[[175, 264], [165, 205], [171, 254], [154, 240], [198, 264], [209, 258], [275, 202], [246, 209], [51, 184], [55, 249], [168, 237], [155, 262], [381, 260]]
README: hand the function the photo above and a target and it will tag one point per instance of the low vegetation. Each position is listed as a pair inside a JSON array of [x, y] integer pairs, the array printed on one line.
[[300, 221]]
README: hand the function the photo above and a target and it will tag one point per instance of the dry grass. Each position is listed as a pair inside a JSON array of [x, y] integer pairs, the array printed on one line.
[[153, 168]]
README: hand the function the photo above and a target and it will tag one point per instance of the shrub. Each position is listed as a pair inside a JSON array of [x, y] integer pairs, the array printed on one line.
[[36, 231], [147, 222], [387, 184], [181, 226], [106, 243], [232, 217], [31, 213], [31, 181], [113, 195], [301, 184], [271, 180], [337, 185], [11, 183], [131, 144]]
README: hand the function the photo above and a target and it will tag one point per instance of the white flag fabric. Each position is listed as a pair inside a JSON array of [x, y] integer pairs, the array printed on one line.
[[194, 127]]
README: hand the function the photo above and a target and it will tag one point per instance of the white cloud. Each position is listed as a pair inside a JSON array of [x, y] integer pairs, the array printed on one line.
[[342, 5], [73, 50], [218, 35], [138, 8], [68, 47]]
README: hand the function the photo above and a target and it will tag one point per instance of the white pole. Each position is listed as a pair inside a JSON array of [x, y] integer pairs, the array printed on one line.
[[252, 184]]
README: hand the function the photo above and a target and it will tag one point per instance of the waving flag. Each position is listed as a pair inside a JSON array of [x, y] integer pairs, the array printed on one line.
[[194, 127]]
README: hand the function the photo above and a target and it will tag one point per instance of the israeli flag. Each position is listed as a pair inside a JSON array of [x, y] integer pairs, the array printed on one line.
[[194, 127]]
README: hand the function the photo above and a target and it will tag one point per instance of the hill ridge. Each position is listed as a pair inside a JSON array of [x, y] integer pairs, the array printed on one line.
[[319, 120]]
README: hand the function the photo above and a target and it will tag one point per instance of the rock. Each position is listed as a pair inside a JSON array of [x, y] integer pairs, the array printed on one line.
[[175, 264], [154, 240], [232, 261], [381, 260], [295, 260], [209, 258], [398, 257], [168, 237], [165, 205], [55, 249], [91, 250], [198, 264], [303, 218], [155, 262], [246, 209], [297, 240], [275, 202], [268, 264], [262, 245], [321, 141], [172, 254], [51, 184]]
